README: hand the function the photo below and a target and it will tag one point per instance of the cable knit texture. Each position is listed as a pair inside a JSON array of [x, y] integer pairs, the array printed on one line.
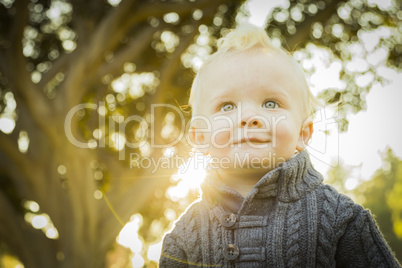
[[289, 219]]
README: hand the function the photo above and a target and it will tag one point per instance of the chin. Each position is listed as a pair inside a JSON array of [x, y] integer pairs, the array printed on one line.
[[264, 160]]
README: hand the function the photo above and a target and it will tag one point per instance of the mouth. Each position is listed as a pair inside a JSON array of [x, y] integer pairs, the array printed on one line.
[[251, 140]]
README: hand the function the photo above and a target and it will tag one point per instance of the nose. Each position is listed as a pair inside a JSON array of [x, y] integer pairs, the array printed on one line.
[[251, 122]]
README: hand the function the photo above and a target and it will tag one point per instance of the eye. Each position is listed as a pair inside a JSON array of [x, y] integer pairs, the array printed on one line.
[[270, 105], [228, 107]]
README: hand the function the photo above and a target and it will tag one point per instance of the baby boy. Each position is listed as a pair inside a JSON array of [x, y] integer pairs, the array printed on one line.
[[263, 204]]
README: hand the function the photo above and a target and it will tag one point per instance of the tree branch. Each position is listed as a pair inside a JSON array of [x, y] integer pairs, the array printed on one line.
[[10, 148], [4, 69], [111, 31], [105, 34], [142, 189], [20, 79], [303, 30], [10, 231], [22, 170], [17, 232], [22, 187], [90, 55], [59, 65], [129, 18], [170, 68], [171, 65], [129, 53]]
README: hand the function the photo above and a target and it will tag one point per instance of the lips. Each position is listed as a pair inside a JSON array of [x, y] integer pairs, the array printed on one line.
[[252, 140]]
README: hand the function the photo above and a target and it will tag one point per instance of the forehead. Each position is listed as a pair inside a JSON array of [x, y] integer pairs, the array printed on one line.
[[253, 69]]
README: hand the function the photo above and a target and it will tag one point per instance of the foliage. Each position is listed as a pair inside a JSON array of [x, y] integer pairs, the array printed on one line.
[[382, 195], [341, 26]]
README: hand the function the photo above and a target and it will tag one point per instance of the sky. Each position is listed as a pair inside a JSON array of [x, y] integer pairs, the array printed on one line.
[[370, 132]]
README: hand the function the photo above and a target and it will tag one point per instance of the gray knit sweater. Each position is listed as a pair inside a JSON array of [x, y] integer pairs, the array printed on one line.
[[289, 219]]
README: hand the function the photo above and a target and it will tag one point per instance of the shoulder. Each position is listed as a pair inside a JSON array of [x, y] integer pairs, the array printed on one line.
[[189, 221], [341, 208], [336, 200], [359, 241], [191, 216], [182, 243]]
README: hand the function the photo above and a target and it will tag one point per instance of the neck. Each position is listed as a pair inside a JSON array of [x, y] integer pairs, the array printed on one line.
[[242, 181]]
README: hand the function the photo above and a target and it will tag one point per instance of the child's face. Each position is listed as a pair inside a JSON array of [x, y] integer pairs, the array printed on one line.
[[253, 102]]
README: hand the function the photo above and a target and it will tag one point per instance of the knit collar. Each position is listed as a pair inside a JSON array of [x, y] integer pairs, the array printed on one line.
[[288, 183]]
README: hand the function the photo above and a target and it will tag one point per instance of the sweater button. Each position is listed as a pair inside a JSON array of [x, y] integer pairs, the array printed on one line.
[[231, 252], [228, 220]]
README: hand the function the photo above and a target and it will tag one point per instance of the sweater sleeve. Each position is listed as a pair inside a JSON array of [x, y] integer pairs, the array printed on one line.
[[362, 245], [181, 247], [173, 254]]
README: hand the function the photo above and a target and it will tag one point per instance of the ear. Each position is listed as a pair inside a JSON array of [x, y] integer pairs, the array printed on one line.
[[199, 132], [197, 137], [305, 134]]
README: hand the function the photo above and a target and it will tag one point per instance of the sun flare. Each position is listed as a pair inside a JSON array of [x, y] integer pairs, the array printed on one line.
[[190, 175]]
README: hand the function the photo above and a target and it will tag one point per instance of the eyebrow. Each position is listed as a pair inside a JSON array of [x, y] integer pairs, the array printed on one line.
[[273, 93], [218, 100], [219, 94], [281, 94]]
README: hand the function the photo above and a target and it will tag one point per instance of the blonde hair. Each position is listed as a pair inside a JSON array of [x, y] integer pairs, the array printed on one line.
[[244, 38]]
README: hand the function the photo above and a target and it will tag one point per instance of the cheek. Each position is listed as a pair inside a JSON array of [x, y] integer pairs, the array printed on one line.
[[222, 138], [220, 134], [286, 133]]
